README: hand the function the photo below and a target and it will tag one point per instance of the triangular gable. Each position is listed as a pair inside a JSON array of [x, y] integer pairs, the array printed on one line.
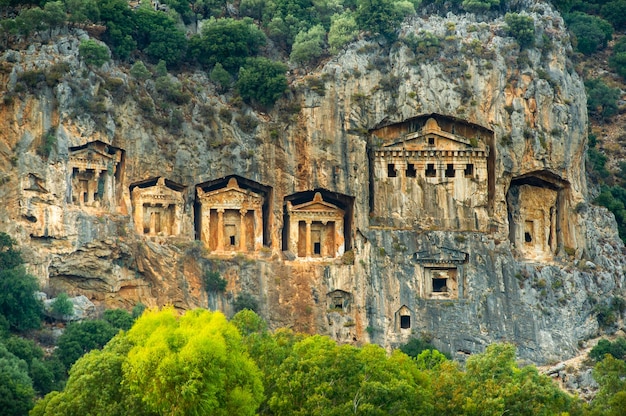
[[440, 255], [318, 204], [232, 192], [159, 191], [419, 140]]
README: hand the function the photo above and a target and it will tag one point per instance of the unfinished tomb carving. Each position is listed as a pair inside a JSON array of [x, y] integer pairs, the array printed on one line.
[[432, 172], [157, 207], [94, 170], [537, 205], [315, 227], [231, 218], [440, 273]]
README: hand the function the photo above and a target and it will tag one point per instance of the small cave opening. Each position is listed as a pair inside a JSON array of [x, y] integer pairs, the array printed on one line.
[[405, 322]]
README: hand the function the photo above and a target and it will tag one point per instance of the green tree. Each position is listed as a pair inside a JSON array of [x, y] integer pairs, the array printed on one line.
[[319, 377], [62, 306], [159, 36], [140, 72], [617, 349], [213, 282], [592, 32], [93, 53], [18, 304], [479, 6], [245, 301], [95, 387], [521, 27], [54, 14], [119, 318], [262, 81], [601, 99], [610, 373], [343, 30], [224, 81], [82, 337], [378, 17], [615, 13], [16, 388], [118, 18], [227, 41], [308, 45], [82, 11], [193, 364]]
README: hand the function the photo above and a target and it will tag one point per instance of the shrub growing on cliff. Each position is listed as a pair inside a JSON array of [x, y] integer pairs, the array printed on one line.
[[521, 27], [93, 53], [62, 306], [262, 80]]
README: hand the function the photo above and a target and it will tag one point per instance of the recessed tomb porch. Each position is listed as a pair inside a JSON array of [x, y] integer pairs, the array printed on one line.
[[314, 226], [94, 172], [157, 207], [231, 217], [537, 206]]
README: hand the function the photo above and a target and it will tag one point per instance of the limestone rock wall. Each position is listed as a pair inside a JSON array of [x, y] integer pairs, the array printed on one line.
[[395, 280]]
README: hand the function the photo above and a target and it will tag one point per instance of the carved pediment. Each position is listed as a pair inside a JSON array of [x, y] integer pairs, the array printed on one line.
[[232, 196], [159, 193], [317, 205], [432, 137], [440, 255]]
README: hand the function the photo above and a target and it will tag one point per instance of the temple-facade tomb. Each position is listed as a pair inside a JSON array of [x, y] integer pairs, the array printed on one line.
[[537, 203], [315, 228], [231, 218], [157, 207], [430, 178], [93, 169]]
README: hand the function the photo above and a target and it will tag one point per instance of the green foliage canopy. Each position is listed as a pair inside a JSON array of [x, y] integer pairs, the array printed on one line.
[[227, 41], [521, 27], [93, 53], [262, 80], [165, 364]]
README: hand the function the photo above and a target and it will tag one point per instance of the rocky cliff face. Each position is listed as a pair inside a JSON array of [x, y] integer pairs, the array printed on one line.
[[435, 186]]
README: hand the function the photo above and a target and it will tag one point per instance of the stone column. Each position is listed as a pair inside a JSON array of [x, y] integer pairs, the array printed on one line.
[[258, 228], [308, 238], [152, 222], [242, 230], [205, 229], [220, 229]]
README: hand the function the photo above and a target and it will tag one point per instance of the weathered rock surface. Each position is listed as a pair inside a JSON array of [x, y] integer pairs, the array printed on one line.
[[524, 275]]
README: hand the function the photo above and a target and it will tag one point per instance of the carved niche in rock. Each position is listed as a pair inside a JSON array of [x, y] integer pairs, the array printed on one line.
[[93, 170], [315, 228], [432, 172], [440, 273], [231, 218], [157, 207], [536, 204], [403, 319]]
